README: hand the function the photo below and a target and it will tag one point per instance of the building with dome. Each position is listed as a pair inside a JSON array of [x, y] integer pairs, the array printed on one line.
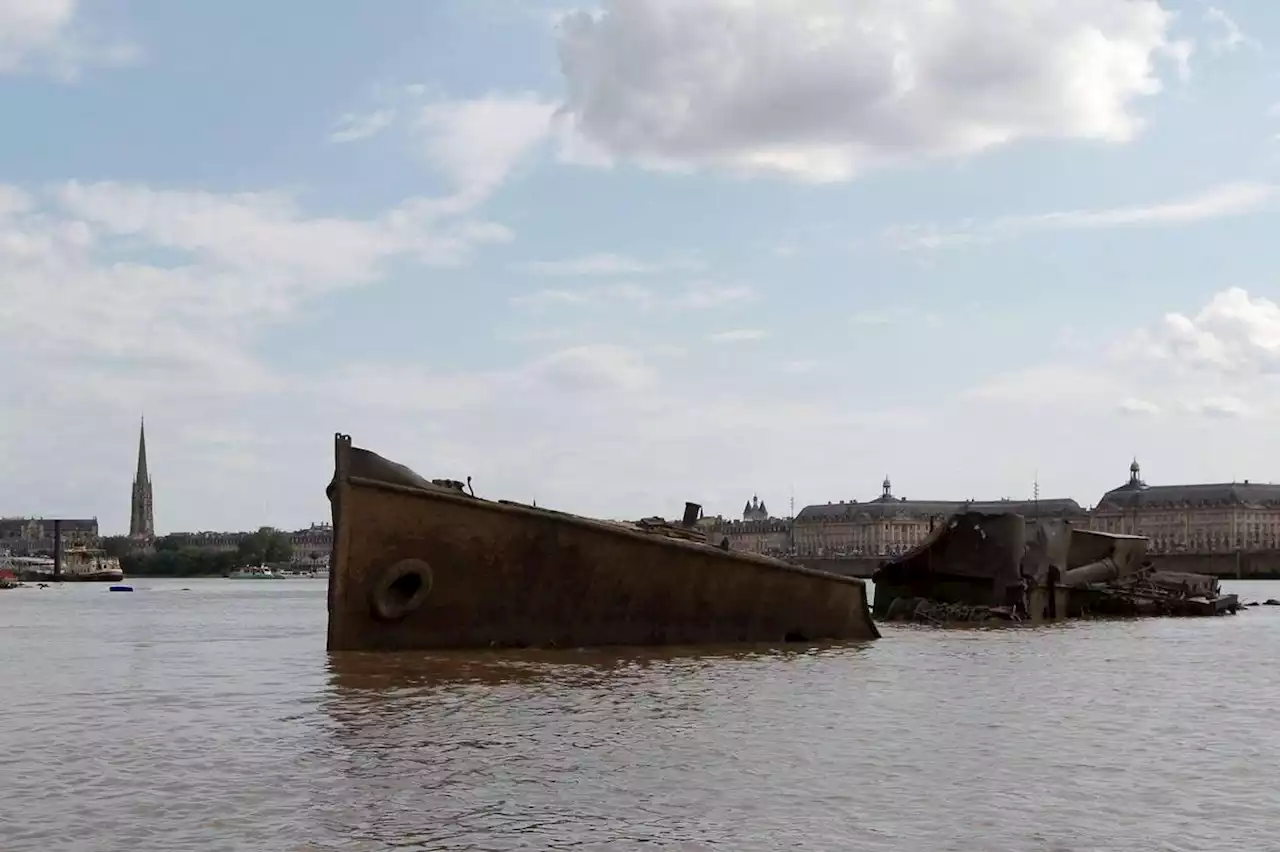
[[1193, 518], [889, 525], [757, 532], [755, 510]]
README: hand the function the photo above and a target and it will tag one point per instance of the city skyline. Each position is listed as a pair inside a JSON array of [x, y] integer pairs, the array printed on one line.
[[142, 523], [565, 252]]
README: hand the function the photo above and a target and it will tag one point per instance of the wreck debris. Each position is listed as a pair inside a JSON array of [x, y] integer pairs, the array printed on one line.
[[421, 564], [981, 567], [926, 611]]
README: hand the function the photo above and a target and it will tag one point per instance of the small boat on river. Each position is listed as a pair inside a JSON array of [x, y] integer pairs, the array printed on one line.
[[91, 565], [421, 564], [256, 572], [78, 564]]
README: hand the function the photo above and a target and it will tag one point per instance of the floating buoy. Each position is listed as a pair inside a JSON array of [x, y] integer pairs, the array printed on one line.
[[120, 589]]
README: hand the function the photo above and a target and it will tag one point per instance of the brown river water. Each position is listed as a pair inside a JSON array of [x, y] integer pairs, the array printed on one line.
[[206, 715]]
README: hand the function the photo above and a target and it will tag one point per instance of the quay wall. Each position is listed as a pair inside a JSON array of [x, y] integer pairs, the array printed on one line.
[[1247, 565], [861, 567], [1244, 565]]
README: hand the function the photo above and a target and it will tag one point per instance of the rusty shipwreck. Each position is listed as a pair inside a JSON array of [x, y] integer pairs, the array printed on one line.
[[980, 566], [424, 564]]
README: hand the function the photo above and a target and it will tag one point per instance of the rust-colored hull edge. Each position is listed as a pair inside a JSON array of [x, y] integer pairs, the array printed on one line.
[[483, 574]]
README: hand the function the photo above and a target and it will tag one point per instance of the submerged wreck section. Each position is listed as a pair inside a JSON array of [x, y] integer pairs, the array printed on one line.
[[421, 564], [980, 567]]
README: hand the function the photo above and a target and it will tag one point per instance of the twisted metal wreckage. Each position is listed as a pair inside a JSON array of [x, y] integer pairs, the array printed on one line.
[[982, 566]]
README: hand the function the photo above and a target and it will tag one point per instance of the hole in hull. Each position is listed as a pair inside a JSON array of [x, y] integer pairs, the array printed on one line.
[[402, 589]]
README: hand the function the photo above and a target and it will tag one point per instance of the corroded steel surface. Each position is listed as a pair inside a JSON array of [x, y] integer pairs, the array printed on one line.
[[974, 558], [422, 565]]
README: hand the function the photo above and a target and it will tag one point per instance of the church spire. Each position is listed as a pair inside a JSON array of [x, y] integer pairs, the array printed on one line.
[[142, 475], [142, 523]]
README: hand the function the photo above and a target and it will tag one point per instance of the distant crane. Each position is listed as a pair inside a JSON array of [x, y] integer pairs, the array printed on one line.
[[1035, 493]]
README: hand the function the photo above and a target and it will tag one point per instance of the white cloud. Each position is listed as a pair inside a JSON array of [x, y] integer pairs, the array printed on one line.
[[406, 389], [1234, 334], [478, 142], [51, 35], [267, 233], [353, 126], [1230, 38], [475, 143], [697, 296], [1205, 365], [1050, 385], [712, 296], [606, 263], [81, 287], [1222, 407], [594, 368], [1226, 200], [1138, 407], [739, 335], [13, 200], [823, 89]]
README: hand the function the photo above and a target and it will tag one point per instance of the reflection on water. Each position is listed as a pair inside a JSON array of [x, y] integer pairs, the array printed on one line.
[[395, 671], [213, 719]]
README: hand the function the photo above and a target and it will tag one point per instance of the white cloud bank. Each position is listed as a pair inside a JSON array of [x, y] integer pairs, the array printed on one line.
[[824, 89], [119, 299], [51, 35], [1220, 362], [817, 90], [1235, 335], [474, 143]]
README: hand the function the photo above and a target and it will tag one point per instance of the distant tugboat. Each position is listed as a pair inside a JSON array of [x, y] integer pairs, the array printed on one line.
[[421, 564], [91, 565]]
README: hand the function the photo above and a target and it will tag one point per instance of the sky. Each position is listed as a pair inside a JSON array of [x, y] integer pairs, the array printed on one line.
[[619, 256]]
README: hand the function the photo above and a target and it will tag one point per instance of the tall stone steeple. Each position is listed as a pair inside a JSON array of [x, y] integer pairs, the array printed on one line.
[[142, 523]]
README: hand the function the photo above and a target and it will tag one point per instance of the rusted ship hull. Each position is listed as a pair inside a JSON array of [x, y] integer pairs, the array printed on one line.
[[420, 565]]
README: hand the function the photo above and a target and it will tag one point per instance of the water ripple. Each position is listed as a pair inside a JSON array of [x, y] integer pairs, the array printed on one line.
[[213, 719]]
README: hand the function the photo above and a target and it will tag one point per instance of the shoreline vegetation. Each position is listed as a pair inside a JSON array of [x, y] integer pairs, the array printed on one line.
[[170, 558]]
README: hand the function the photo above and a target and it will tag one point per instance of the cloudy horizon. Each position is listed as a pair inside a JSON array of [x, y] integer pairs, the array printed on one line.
[[622, 255]]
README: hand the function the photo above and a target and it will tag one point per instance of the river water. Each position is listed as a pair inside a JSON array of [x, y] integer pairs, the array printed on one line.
[[206, 715]]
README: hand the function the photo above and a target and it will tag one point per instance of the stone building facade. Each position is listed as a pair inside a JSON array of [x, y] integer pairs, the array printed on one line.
[[30, 536], [757, 532], [885, 526], [1208, 518], [890, 525], [312, 546], [770, 536]]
